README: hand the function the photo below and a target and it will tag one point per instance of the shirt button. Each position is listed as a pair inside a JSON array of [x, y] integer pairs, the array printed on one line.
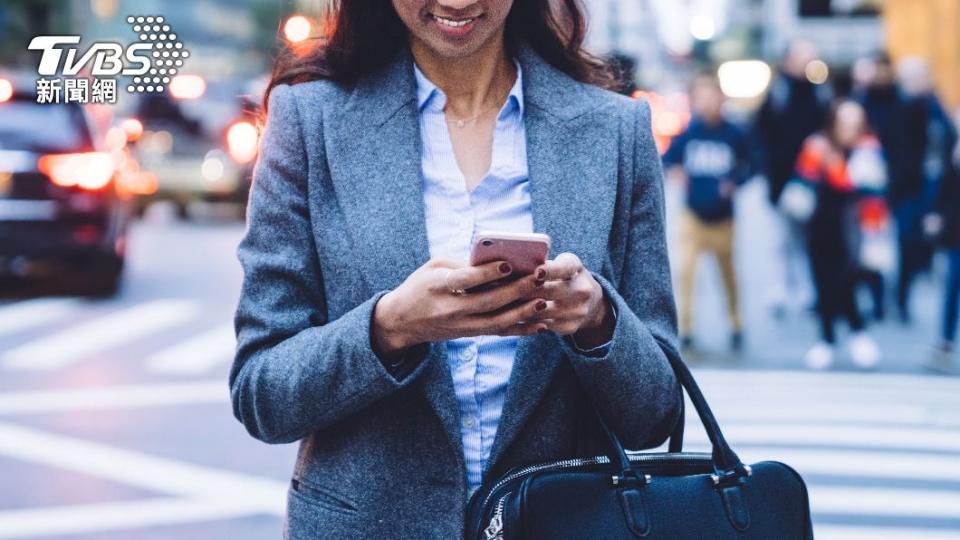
[[470, 422]]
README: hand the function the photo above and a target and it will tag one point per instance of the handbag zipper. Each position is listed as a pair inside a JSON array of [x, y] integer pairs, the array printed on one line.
[[494, 529]]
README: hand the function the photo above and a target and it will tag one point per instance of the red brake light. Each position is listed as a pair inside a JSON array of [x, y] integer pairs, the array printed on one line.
[[89, 170], [133, 128]]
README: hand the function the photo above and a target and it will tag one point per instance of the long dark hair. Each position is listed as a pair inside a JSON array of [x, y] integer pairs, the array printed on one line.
[[364, 35]]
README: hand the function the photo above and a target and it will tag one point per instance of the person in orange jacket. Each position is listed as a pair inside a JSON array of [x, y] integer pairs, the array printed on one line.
[[844, 166]]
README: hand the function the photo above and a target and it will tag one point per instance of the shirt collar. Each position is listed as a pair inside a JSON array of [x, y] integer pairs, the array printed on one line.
[[428, 94]]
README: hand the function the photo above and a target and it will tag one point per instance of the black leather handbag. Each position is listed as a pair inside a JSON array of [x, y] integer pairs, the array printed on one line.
[[671, 495]]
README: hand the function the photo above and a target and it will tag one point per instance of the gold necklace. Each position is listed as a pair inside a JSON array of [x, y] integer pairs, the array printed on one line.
[[462, 122]]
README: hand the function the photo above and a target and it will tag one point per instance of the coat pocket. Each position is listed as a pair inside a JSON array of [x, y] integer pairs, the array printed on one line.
[[322, 495]]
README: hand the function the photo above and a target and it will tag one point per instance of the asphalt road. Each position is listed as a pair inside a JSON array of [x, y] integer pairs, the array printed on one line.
[[115, 419]]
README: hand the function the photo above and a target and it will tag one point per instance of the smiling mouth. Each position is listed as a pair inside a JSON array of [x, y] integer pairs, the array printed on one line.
[[453, 23]]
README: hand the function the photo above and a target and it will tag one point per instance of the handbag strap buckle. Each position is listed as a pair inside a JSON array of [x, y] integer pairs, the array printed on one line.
[[731, 476], [620, 480]]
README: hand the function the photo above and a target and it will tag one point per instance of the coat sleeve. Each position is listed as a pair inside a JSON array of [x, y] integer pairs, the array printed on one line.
[[633, 385], [294, 371]]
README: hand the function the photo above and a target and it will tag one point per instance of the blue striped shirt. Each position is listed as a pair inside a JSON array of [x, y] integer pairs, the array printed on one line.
[[481, 365]]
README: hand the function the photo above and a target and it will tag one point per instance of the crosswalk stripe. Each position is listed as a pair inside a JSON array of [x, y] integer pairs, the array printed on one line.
[[832, 413], [785, 392], [129, 467], [840, 463], [97, 517], [893, 438], [77, 342], [197, 354], [858, 532], [113, 397], [717, 378], [890, 502], [27, 314], [201, 493]]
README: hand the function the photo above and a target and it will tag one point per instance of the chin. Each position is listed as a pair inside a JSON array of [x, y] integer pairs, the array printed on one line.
[[453, 51], [446, 48]]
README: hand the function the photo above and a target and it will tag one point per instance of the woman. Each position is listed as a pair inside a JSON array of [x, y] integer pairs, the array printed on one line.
[[845, 165], [419, 123]]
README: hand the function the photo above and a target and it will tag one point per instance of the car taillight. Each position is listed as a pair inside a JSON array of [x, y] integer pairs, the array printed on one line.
[[6, 90], [89, 170], [242, 141], [133, 128], [187, 86]]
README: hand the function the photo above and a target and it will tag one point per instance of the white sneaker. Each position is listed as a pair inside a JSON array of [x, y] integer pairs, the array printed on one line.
[[864, 352], [941, 360], [820, 356]]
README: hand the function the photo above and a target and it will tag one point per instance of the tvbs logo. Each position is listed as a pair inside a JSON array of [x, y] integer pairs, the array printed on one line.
[[151, 61], [108, 58]]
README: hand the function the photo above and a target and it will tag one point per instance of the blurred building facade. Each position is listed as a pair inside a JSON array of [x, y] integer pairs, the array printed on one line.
[[844, 30], [928, 29], [665, 37]]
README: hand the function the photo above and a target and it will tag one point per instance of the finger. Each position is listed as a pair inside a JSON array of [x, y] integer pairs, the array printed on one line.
[[551, 290], [445, 262], [467, 277], [563, 292], [564, 266], [559, 314], [503, 295], [524, 329], [562, 327], [552, 310], [487, 324]]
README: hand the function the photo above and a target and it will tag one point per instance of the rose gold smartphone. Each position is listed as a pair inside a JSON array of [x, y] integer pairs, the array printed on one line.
[[523, 251]]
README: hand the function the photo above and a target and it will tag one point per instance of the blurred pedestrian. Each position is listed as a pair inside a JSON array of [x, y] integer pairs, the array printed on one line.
[[861, 75], [794, 108], [839, 164], [915, 133], [712, 157], [935, 156], [945, 224]]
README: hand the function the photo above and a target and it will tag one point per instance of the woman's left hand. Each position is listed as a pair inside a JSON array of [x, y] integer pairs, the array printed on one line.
[[575, 301]]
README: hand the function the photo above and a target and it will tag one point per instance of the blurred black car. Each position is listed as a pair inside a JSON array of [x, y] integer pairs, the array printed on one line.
[[61, 208]]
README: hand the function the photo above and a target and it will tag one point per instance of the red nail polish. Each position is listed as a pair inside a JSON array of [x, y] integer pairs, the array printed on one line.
[[541, 330], [541, 305], [505, 268], [541, 273], [538, 283]]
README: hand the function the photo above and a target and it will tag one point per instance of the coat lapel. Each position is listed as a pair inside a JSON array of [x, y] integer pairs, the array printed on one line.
[[378, 181], [377, 176], [572, 168]]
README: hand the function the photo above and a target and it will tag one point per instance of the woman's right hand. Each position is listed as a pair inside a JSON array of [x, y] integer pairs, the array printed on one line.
[[424, 307]]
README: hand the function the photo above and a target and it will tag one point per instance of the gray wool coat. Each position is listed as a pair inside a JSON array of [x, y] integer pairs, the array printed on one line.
[[336, 219]]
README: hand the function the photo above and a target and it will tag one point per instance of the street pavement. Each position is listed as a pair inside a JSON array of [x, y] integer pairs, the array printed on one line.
[[115, 421]]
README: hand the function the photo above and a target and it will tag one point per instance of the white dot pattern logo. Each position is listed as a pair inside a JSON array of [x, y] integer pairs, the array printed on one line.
[[167, 52]]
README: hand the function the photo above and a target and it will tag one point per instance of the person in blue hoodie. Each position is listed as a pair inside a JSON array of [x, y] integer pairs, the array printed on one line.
[[712, 157]]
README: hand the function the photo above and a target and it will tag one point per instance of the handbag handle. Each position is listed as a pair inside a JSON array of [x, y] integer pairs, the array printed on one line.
[[725, 460], [676, 436]]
